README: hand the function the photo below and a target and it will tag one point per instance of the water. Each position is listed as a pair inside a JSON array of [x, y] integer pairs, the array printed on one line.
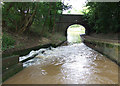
[[72, 64]]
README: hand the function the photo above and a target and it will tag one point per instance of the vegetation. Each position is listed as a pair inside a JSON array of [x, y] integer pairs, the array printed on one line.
[[39, 18], [29, 17], [7, 41], [20, 16], [103, 17]]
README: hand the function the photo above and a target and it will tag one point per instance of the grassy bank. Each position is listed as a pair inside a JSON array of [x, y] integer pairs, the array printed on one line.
[[12, 41]]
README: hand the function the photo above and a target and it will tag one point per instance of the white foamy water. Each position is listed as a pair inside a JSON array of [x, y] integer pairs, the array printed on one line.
[[72, 64]]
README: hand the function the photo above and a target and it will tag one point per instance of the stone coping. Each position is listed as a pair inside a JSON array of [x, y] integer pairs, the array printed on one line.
[[24, 51], [107, 41]]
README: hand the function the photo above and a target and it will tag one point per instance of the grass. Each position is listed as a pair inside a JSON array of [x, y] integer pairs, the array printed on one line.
[[7, 41]]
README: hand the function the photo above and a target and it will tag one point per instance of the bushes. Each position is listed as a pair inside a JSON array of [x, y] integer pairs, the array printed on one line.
[[103, 17], [7, 41], [20, 16]]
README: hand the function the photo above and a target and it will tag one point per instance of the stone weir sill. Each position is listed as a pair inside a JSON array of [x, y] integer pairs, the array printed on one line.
[[10, 59], [109, 48]]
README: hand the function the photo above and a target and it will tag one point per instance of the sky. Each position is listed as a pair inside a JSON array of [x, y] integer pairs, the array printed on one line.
[[77, 5]]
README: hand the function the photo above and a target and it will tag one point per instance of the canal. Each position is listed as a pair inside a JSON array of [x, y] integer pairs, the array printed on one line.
[[71, 64]]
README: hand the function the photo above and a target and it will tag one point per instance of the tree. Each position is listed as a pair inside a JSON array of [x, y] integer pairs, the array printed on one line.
[[20, 16], [103, 17]]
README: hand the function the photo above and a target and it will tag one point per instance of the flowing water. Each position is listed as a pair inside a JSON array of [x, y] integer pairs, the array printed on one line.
[[71, 64]]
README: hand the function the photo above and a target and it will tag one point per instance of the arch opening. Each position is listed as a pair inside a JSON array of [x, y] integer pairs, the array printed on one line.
[[73, 33]]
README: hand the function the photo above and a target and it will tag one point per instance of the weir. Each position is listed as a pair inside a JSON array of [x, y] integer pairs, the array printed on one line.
[[36, 48], [69, 64], [72, 64]]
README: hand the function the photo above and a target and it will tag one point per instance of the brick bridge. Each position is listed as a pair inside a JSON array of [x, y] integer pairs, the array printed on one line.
[[67, 20]]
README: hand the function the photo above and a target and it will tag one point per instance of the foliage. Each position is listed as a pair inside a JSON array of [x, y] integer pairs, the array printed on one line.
[[20, 16], [7, 41], [103, 17]]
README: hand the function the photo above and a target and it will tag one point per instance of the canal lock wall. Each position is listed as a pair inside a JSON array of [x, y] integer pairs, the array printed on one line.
[[10, 59], [10, 66], [108, 48]]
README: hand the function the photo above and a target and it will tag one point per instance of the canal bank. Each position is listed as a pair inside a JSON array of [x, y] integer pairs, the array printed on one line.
[[109, 48], [11, 66], [71, 64], [11, 63]]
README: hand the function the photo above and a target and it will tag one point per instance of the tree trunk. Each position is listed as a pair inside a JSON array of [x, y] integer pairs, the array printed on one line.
[[50, 22], [46, 18], [53, 30], [29, 21]]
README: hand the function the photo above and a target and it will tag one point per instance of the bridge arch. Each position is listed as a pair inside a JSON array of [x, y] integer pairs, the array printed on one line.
[[67, 20], [74, 24]]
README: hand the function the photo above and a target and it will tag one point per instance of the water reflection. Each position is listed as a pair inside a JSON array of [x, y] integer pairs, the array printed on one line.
[[72, 64]]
